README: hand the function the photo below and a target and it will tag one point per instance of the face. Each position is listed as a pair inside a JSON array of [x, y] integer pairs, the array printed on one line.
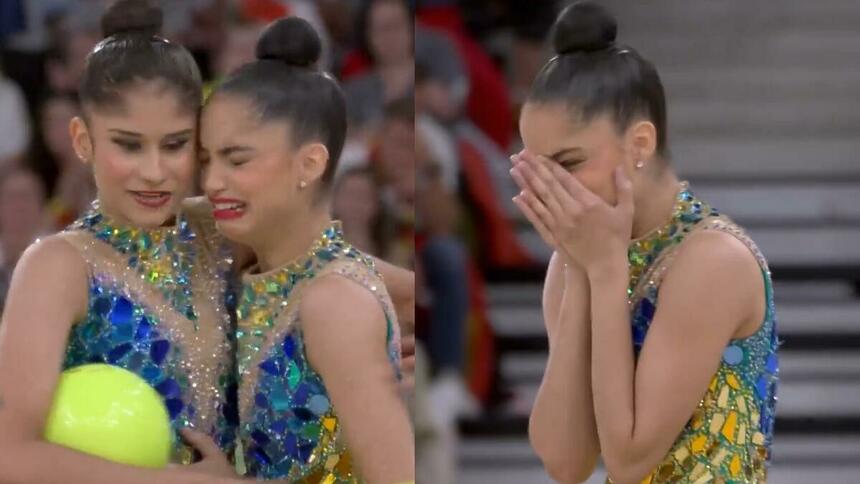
[[355, 200], [589, 151], [143, 155], [56, 115], [390, 32], [21, 204], [397, 153], [252, 172]]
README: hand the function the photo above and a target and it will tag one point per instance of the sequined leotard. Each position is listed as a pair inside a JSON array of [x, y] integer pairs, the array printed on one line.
[[728, 437], [157, 308], [289, 428]]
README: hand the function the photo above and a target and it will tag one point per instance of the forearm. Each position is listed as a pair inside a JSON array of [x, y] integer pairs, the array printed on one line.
[[613, 371], [562, 426], [39, 462]]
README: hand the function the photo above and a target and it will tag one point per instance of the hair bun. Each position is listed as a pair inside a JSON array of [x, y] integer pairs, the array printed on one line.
[[132, 17], [291, 40], [583, 27]]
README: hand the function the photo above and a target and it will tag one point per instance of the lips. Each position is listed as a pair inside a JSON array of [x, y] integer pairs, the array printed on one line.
[[227, 208], [152, 199]]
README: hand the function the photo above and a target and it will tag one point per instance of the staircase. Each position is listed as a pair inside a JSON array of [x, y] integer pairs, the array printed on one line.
[[764, 122]]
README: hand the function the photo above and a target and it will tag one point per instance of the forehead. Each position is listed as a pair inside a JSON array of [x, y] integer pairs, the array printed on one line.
[[545, 127], [229, 118], [148, 108]]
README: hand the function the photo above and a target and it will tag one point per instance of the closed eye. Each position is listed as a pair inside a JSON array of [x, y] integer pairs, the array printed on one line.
[[569, 165], [127, 145], [176, 145]]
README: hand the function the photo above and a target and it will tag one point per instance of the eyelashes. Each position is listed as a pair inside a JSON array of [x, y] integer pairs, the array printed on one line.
[[130, 146]]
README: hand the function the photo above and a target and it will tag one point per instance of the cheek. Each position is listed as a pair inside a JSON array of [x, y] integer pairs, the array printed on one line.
[[112, 168]]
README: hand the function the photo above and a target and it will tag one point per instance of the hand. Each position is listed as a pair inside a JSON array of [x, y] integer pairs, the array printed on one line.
[[214, 461], [585, 228], [407, 364]]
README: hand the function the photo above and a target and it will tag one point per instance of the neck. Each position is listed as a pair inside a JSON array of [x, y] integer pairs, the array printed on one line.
[[654, 202], [292, 239]]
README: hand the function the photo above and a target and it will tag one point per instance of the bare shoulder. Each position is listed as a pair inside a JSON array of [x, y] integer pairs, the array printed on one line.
[[53, 255], [715, 266], [331, 300]]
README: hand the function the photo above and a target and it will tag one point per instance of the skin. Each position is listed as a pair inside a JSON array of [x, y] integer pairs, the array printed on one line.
[[588, 202], [257, 163], [48, 294]]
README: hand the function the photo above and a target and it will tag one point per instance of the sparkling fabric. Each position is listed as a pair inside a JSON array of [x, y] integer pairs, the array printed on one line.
[[289, 428], [157, 308], [728, 437]]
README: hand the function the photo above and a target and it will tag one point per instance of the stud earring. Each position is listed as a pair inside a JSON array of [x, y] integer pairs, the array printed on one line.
[[640, 164], [303, 184]]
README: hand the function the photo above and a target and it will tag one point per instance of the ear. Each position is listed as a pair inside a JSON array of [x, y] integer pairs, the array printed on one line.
[[642, 141], [81, 140], [313, 160]]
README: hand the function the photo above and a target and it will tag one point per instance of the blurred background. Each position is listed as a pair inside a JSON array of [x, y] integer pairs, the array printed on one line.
[[764, 122]]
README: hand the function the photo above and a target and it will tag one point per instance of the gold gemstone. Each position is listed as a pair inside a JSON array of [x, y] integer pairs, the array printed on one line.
[[735, 466], [329, 479], [666, 471], [698, 471], [729, 427], [698, 445], [742, 434], [330, 423], [331, 461], [681, 454], [732, 380], [758, 438], [706, 477], [742, 404], [718, 459], [698, 418]]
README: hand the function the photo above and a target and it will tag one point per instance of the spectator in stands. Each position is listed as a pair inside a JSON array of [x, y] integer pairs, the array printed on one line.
[[22, 200], [385, 31], [14, 124], [74, 188], [358, 206]]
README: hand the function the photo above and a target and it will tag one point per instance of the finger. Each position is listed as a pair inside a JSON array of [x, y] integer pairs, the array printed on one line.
[[541, 189], [517, 157], [536, 222], [407, 346], [202, 442], [624, 189], [552, 174], [518, 178]]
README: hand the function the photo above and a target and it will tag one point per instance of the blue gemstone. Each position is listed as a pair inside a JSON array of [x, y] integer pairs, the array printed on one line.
[[192, 411], [261, 457], [159, 350], [117, 353], [174, 407], [279, 426], [305, 451], [122, 332], [271, 367], [261, 401], [289, 346], [151, 374], [169, 388], [260, 437], [319, 404], [143, 330], [761, 387], [772, 363], [102, 306], [300, 396], [639, 334], [733, 355], [132, 262], [646, 308], [135, 362], [231, 414], [303, 413], [122, 311], [291, 444]]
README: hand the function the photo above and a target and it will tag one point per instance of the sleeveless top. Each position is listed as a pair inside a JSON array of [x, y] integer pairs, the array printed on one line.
[[289, 428], [729, 434], [157, 307]]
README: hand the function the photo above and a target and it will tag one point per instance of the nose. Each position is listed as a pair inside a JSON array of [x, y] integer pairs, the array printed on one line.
[[152, 169], [213, 182]]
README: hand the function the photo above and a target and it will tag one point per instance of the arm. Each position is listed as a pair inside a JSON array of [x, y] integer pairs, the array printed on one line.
[[642, 408], [48, 293], [400, 284], [346, 344], [562, 428]]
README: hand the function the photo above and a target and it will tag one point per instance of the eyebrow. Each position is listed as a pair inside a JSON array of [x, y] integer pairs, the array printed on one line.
[[230, 150], [555, 156], [178, 134]]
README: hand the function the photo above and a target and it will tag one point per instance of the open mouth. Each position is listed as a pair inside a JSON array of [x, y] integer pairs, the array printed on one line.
[[227, 209], [152, 199]]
